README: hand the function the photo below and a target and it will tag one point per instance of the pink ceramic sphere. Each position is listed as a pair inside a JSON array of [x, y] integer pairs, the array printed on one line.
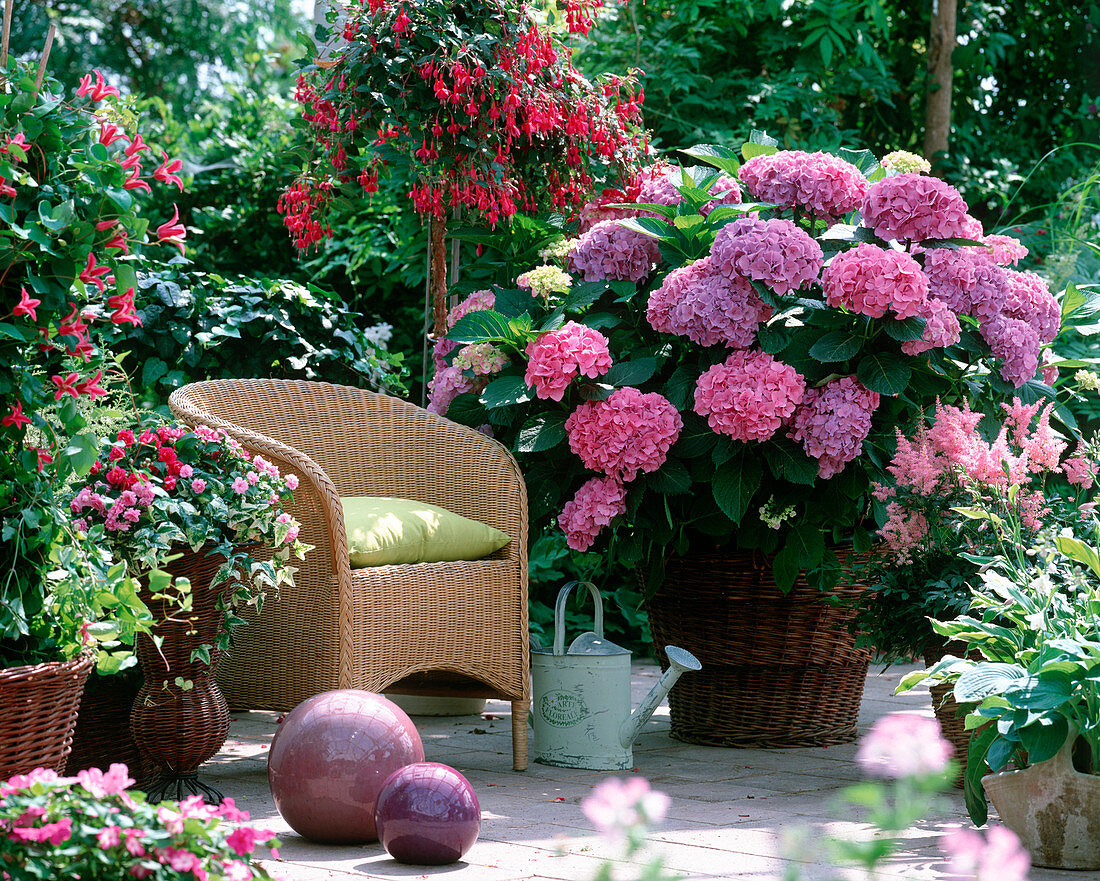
[[329, 758], [427, 814]]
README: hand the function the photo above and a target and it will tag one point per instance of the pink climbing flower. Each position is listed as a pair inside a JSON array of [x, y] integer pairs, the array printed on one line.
[[904, 745], [627, 433], [914, 207], [749, 395], [871, 281], [559, 356]]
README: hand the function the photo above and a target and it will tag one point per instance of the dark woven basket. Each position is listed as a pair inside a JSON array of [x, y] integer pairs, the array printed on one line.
[[952, 720], [177, 728], [779, 670], [38, 707], [102, 737]]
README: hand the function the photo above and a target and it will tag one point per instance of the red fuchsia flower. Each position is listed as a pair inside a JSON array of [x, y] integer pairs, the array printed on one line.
[[109, 133], [16, 419], [776, 252], [123, 305], [65, 386], [97, 91], [93, 274], [26, 305], [749, 395], [166, 171], [598, 502], [172, 232]]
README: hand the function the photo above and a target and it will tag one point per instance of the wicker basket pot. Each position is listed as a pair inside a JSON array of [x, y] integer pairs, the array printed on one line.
[[951, 717], [38, 707], [779, 670], [102, 737]]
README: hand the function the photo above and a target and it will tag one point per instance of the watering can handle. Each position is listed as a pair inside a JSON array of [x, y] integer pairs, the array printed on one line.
[[559, 613]]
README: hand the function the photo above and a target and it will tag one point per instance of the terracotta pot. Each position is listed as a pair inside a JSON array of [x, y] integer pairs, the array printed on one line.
[[1054, 810]]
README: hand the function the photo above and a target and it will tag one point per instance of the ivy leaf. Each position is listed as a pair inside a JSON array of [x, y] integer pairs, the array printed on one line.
[[505, 391], [883, 373], [836, 345], [541, 433], [734, 484]]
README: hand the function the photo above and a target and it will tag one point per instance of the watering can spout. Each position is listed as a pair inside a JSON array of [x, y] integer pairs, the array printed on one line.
[[679, 661]]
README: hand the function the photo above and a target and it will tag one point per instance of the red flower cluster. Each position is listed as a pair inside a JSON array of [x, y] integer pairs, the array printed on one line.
[[491, 119]]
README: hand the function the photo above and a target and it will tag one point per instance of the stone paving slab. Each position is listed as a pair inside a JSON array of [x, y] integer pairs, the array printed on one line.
[[730, 807]]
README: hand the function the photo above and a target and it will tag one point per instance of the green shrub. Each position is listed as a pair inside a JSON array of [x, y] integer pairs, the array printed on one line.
[[198, 325]]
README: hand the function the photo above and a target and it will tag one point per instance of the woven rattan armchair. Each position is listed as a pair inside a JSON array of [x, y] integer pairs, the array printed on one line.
[[430, 628]]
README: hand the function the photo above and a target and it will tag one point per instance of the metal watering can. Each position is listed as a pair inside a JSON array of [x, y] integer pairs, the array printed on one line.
[[581, 704]]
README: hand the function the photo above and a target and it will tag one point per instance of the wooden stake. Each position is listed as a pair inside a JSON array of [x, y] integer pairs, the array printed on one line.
[[9, 7], [45, 59]]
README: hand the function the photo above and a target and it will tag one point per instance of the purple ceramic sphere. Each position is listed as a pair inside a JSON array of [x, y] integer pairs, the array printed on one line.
[[329, 759], [427, 814]]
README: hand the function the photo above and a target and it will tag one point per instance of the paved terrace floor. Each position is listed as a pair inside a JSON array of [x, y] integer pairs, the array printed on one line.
[[730, 807]]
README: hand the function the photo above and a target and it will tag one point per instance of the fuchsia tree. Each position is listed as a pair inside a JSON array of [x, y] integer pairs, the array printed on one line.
[[475, 105]]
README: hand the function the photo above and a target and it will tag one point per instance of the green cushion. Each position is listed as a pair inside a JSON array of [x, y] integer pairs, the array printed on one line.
[[386, 532]]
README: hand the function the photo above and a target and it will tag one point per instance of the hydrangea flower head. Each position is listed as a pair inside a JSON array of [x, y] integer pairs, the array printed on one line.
[[478, 301], [968, 281], [824, 185], [447, 384], [1005, 250], [609, 251], [941, 329], [659, 185], [598, 502], [904, 745], [702, 304], [832, 422], [870, 281], [627, 433], [1030, 300], [776, 252], [543, 281], [749, 395], [913, 207], [557, 356], [903, 162], [1016, 344], [724, 191], [482, 359]]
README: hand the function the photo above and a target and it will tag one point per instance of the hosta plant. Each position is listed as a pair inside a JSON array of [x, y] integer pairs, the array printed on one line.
[[722, 357]]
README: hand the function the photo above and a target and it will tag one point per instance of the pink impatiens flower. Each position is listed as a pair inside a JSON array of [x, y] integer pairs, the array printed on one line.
[[870, 280], [749, 395], [558, 356], [627, 433], [904, 745]]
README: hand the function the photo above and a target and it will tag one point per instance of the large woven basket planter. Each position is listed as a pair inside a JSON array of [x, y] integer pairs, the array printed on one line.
[[779, 670], [38, 707], [951, 717]]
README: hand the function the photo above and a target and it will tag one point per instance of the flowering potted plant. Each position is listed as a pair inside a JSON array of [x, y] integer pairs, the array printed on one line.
[[473, 107], [71, 181], [91, 826], [196, 505], [715, 374]]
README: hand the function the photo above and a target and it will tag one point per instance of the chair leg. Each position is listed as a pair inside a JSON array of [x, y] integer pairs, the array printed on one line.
[[520, 710]]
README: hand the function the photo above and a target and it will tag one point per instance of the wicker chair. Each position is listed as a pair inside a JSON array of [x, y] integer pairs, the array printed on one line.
[[430, 628]]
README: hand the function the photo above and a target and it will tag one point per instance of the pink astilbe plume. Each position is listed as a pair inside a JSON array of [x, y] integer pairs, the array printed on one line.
[[870, 281], [708, 308], [627, 433], [595, 505], [558, 356], [775, 252], [832, 422], [749, 395]]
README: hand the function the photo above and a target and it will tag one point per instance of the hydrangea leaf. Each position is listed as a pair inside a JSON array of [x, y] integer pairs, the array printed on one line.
[[541, 433], [505, 391], [734, 484], [884, 373], [722, 158], [836, 345]]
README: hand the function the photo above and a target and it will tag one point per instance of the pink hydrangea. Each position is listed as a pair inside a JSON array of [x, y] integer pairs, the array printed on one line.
[[870, 280], [904, 745], [822, 184], [724, 191], [708, 308], [832, 422], [748, 396], [558, 356], [1030, 300], [609, 251], [658, 186], [478, 301], [627, 433], [776, 252], [599, 209], [1016, 343], [941, 329], [914, 207], [481, 359], [448, 384], [1005, 250], [968, 281], [596, 504], [998, 856]]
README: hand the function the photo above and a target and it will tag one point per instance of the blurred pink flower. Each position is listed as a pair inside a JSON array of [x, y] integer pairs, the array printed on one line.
[[617, 805], [904, 745], [996, 856]]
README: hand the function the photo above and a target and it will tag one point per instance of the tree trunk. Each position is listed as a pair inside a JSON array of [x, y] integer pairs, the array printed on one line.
[[937, 113], [438, 275]]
